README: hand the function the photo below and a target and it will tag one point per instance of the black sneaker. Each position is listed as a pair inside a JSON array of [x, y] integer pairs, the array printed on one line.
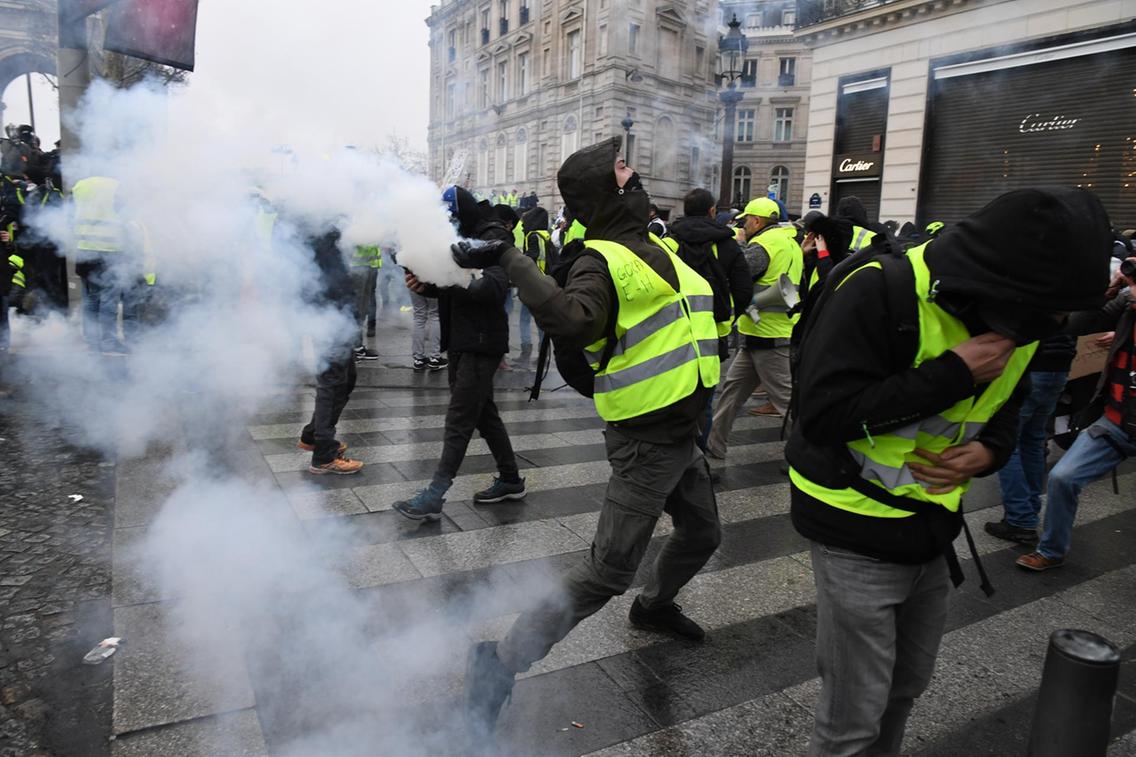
[[500, 491], [437, 363], [419, 364], [1003, 530], [366, 354], [488, 685], [668, 619]]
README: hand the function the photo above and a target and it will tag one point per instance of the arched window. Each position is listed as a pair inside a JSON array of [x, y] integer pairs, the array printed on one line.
[[743, 185], [521, 156], [570, 139], [500, 160], [779, 183], [663, 157]]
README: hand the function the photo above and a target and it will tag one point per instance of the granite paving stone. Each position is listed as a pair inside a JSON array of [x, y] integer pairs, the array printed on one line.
[[324, 503], [233, 735], [470, 550], [162, 676], [377, 564], [133, 582]]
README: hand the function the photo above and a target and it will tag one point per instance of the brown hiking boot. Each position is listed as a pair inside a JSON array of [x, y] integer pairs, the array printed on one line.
[[340, 466], [1038, 562], [765, 410], [312, 448]]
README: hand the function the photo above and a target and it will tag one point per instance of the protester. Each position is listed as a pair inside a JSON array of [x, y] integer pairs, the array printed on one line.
[[475, 331], [537, 244], [365, 264], [425, 335], [863, 231], [336, 378], [1111, 439], [651, 413], [902, 400]]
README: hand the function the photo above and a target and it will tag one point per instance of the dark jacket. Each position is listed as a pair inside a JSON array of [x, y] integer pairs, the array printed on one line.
[[536, 219], [583, 310], [335, 287], [1054, 354], [1116, 315], [697, 235], [472, 318], [853, 381]]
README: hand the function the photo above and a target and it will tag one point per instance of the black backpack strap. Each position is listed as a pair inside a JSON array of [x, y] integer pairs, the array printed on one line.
[[899, 280]]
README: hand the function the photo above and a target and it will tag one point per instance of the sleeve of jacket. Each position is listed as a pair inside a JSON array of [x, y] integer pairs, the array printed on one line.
[[738, 274], [489, 289], [1000, 435], [846, 383], [757, 259], [1104, 319], [575, 315], [532, 246]]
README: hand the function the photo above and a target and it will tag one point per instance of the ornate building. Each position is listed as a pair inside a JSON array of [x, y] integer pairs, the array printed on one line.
[[771, 128], [518, 85], [27, 39]]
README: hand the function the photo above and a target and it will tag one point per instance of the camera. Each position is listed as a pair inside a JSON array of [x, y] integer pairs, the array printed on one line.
[[1128, 268]]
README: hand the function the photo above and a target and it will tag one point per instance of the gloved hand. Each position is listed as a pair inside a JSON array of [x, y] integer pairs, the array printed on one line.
[[483, 255]]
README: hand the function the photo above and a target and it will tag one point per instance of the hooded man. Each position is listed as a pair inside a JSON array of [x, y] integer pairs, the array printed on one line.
[[475, 331], [896, 413], [863, 231], [644, 320], [536, 242]]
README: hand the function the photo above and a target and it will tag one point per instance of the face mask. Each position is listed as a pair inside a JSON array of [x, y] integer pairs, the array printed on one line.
[[633, 184]]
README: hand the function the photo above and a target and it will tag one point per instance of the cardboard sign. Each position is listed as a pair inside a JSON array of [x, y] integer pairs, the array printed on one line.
[[1090, 357]]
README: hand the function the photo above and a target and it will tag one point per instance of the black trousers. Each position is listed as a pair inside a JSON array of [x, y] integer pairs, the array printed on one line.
[[333, 388], [471, 407]]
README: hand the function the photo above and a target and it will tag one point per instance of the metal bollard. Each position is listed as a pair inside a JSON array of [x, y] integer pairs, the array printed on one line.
[[1074, 704]]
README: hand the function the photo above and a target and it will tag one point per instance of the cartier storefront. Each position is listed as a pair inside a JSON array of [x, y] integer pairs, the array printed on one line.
[[1054, 114]]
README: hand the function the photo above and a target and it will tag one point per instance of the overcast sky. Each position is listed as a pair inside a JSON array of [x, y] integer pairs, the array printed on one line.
[[337, 71]]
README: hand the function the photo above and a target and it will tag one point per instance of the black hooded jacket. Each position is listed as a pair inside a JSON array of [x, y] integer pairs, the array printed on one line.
[[852, 380], [583, 311], [472, 318], [853, 210], [697, 235], [536, 219]]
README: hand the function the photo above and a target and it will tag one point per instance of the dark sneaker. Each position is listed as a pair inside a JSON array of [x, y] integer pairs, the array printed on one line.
[[500, 491], [488, 685], [437, 363], [340, 466], [1038, 562], [425, 505], [1003, 530], [366, 354], [312, 448], [419, 364], [668, 619]]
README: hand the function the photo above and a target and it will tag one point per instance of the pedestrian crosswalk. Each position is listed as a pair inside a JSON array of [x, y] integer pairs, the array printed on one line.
[[741, 588], [750, 689]]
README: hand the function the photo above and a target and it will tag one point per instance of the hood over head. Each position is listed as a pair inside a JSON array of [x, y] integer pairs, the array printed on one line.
[[1028, 253], [699, 230], [587, 184], [470, 213], [535, 220], [852, 209]]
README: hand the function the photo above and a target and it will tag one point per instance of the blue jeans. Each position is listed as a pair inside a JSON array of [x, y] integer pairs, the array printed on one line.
[[1090, 457], [1024, 474]]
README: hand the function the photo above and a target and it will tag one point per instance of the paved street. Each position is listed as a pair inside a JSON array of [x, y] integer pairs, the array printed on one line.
[[416, 596]]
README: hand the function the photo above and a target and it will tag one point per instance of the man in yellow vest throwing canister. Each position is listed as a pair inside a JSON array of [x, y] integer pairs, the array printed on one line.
[[643, 321], [909, 384]]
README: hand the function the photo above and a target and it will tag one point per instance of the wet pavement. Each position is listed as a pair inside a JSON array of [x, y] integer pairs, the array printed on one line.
[[420, 594]]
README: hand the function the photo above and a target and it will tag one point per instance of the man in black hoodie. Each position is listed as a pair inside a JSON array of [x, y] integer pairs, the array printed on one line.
[[704, 241], [537, 244], [476, 334], [893, 423], [619, 282]]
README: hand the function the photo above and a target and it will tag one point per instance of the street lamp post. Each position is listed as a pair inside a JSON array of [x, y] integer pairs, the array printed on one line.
[[733, 48], [627, 123]]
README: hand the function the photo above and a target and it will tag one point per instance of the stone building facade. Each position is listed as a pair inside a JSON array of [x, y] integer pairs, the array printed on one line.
[[771, 127], [518, 85]]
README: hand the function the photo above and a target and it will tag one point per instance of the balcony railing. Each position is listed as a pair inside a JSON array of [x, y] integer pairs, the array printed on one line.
[[485, 36], [786, 80], [504, 26], [524, 15], [810, 12]]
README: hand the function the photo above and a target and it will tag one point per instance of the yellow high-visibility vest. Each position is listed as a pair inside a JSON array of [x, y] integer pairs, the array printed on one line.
[[785, 257], [98, 227]]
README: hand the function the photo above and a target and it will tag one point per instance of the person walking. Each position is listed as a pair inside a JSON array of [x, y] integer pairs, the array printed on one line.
[[772, 252], [425, 335], [336, 379], [476, 334], [626, 302], [1111, 439], [366, 262], [910, 385], [537, 244]]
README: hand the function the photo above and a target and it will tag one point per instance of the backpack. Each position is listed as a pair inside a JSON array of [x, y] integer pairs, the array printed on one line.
[[710, 268], [903, 310]]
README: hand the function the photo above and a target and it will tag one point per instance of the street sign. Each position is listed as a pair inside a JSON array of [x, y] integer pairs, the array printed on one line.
[[814, 201]]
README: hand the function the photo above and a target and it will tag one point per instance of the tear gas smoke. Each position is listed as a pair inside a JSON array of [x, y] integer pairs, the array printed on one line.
[[335, 673]]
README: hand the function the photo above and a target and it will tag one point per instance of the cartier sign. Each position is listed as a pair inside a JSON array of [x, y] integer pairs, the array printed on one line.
[[864, 165], [1036, 122]]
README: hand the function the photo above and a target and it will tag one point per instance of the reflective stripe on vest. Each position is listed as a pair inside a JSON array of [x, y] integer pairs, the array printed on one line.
[[723, 327], [17, 264], [883, 459], [785, 257], [543, 238], [367, 256], [98, 227], [667, 344], [861, 238]]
